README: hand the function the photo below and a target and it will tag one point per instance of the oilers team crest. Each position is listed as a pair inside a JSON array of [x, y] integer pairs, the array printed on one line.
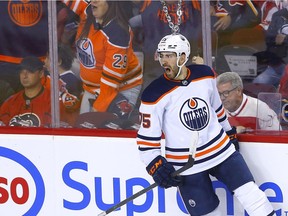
[[25, 13], [194, 114], [85, 53]]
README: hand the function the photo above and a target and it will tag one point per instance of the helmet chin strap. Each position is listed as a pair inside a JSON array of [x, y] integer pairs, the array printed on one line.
[[180, 66]]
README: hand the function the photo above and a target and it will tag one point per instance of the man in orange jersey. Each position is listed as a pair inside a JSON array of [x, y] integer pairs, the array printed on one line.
[[109, 69]]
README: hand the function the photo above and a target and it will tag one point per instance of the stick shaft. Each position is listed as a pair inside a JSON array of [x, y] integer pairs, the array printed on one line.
[[189, 164], [139, 193], [145, 190]]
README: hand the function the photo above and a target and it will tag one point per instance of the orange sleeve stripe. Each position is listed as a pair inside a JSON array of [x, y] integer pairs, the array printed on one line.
[[77, 7], [148, 144], [221, 113], [199, 154], [178, 157]]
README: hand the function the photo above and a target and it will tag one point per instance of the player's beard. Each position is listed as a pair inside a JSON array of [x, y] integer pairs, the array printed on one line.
[[171, 72]]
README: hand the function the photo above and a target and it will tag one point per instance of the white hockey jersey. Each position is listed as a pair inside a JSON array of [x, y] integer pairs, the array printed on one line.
[[176, 109]]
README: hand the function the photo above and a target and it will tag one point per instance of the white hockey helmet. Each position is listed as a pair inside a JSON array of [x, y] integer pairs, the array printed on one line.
[[176, 43]]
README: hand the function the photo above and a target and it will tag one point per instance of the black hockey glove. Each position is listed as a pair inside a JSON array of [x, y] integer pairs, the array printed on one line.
[[233, 137], [161, 171]]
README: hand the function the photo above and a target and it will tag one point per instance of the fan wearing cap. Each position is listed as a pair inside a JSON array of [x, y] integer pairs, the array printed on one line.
[[31, 106]]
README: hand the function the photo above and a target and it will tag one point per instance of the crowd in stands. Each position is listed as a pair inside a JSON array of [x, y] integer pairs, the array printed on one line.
[[107, 56]]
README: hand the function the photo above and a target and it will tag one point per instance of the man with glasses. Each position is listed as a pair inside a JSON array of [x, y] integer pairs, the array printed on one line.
[[243, 111]]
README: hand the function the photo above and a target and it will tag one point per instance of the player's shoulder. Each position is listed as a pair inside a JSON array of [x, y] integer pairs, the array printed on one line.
[[116, 34], [156, 89], [201, 71]]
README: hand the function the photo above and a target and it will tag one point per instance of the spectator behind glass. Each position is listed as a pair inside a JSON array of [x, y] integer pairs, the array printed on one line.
[[31, 106], [244, 112], [153, 22], [109, 69], [65, 61], [268, 8], [271, 68], [275, 55], [276, 35], [229, 16], [5, 91], [70, 87], [24, 32]]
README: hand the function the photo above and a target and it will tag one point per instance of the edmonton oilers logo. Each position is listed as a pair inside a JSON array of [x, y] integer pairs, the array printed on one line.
[[85, 52], [25, 13], [194, 114]]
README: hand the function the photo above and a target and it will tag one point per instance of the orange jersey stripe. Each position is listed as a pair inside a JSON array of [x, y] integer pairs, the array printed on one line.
[[77, 6], [221, 113], [179, 157], [207, 151], [148, 144]]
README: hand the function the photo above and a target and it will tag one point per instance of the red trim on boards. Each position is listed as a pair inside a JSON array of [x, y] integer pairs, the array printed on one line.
[[261, 137], [69, 132], [280, 137]]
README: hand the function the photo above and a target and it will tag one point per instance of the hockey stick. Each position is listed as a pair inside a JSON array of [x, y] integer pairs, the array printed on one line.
[[188, 165]]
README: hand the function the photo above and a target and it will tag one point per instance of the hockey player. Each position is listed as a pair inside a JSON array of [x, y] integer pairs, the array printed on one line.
[[185, 99]]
